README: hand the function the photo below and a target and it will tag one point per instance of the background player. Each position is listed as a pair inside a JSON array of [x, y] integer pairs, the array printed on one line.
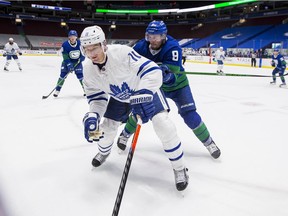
[[165, 50], [72, 61], [11, 49], [279, 63], [219, 57]]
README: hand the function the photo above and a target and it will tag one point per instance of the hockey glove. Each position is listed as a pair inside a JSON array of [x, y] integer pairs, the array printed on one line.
[[142, 104], [4, 54], [70, 67], [91, 127], [20, 53], [168, 76], [273, 63]]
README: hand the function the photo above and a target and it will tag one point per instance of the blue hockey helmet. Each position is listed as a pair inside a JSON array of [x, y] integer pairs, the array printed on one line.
[[276, 50], [72, 33], [156, 27]]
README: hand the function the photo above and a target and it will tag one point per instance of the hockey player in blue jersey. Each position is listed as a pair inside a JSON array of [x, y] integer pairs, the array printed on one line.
[[165, 50], [72, 61], [279, 63]]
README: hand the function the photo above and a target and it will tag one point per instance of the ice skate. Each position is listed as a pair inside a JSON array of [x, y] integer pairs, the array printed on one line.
[[56, 93], [273, 82], [122, 142], [283, 85], [181, 179], [213, 150], [99, 159], [222, 73], [20, 69], [6, 69]]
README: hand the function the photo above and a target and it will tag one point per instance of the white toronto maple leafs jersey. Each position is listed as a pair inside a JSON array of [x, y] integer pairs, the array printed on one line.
[[124, 73], [220, 55], [12, 49]]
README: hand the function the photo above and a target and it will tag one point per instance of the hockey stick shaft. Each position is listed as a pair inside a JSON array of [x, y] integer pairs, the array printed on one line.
[[226, 74], [126, 170], [46, 96]]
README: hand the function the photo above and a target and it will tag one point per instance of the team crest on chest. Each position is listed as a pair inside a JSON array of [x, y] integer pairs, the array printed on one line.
[[122, 93]]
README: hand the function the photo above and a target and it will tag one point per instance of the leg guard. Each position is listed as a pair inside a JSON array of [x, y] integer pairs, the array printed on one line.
[[18, 63], [7, 63], [109, 128], [166, 131], [60, 83], [194, 121], [130, 126]]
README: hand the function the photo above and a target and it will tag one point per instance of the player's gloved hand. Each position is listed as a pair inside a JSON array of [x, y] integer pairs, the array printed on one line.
[[168, 76], [20, 53], [273, 63], [4, 54], [91, 127], [82, 58], [70, 67], [142, 104], [214, 60]]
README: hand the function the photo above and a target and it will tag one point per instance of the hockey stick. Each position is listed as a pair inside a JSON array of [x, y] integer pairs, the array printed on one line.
[[226, 74], [46, 96], [126, 169]]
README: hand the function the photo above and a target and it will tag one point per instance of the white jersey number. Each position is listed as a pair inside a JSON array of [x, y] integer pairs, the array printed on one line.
[[175, 55]]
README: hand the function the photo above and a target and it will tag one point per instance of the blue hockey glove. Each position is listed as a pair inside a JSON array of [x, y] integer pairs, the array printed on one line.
[[82, 58], [142, 104], [273, 63], [70, 67], [91, 127], [168, 76]]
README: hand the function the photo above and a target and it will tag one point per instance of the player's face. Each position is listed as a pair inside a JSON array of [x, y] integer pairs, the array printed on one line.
[[275, 53], [72, 39], [155, 41], [95, 53]]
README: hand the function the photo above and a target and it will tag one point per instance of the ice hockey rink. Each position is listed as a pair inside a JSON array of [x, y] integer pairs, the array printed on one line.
[[45, 161]]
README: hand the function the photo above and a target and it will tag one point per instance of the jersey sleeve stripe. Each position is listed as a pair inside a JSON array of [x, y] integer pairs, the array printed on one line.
[[142, 66], [95, 95], [97, 99], [148, 71]]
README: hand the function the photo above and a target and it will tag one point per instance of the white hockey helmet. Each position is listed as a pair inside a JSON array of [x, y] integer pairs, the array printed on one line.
[[221, 48], [11, 40], [92, 35]]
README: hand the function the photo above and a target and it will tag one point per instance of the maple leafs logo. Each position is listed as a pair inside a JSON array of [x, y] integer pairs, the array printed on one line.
[[123, 93]]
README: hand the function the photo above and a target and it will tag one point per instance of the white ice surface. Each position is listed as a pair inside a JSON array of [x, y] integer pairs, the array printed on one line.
[[45, 162]]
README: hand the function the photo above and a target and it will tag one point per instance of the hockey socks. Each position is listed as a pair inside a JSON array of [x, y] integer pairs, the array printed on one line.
[[203, 134], [130, 126], [60, 83]]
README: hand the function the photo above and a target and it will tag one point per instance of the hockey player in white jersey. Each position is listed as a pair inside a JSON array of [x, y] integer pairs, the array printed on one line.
[[121, 73], [219, 57], [11, 49]]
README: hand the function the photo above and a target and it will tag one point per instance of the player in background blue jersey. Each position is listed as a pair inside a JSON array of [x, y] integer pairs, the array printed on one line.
[[165, 51], [279, 63], [72, 61]]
